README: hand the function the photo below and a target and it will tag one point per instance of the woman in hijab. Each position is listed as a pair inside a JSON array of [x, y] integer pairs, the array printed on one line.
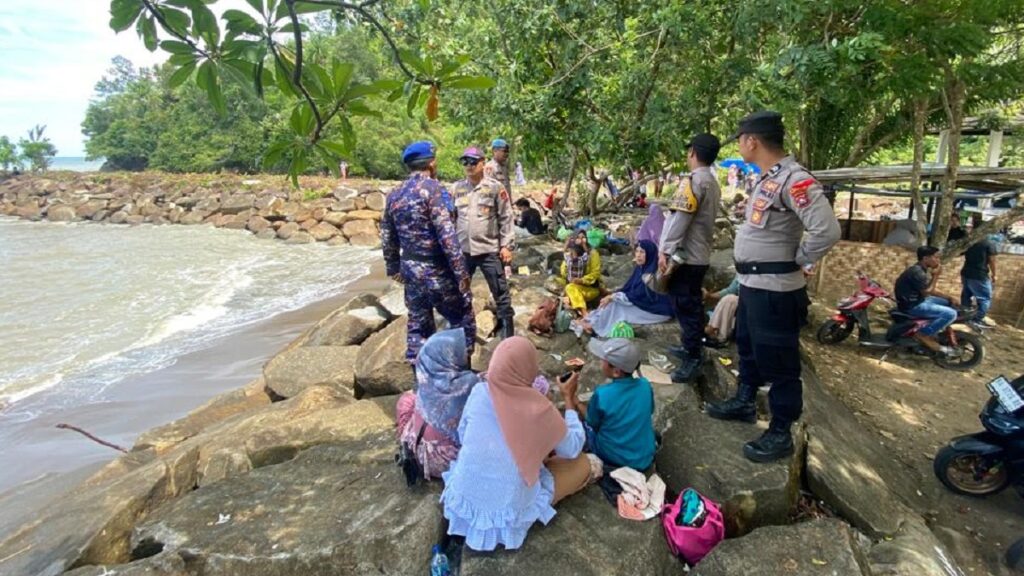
[[443, 383], [581, 272], [503, 480], [634, 303], [652, 226]]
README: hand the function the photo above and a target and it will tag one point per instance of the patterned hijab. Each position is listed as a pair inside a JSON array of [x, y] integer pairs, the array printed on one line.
[[531, 425], [443, 381]]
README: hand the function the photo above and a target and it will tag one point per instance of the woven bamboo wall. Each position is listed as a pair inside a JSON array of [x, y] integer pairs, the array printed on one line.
[[836, 275]]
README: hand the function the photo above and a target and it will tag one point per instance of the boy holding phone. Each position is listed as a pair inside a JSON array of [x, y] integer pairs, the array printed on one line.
[[619, 424]]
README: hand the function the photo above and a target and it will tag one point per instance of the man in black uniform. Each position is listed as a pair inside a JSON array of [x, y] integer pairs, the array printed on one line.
[[789, 226]]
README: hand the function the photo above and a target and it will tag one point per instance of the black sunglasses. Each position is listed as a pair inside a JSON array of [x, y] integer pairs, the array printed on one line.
[[470, 161]]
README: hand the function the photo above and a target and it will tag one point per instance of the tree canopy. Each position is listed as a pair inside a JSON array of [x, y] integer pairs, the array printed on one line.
[[289, 84]]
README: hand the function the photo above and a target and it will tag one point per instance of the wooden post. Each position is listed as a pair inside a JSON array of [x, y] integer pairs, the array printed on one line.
[[995, 147], [849, 217], [943, 151]]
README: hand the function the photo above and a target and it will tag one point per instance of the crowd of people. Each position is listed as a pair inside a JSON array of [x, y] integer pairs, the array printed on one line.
[[506, 454]]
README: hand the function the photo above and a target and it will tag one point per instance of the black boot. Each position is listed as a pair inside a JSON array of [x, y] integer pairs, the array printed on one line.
[[678, 352], [776, 443], [739, 407], [507, 329], [688, 370]]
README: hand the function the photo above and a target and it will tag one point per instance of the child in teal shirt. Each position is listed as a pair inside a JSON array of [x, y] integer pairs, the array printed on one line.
[[619, 424]]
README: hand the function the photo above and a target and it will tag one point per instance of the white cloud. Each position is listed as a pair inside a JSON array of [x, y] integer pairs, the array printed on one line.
[[53, 53]]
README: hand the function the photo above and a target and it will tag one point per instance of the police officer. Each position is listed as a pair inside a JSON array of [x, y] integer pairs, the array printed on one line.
[[687, 238], [789, 225], [497, 168], [485, 230], [421, 251]]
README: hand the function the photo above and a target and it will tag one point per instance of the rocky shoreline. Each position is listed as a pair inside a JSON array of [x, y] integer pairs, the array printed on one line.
[[324, 210], [294, 473]]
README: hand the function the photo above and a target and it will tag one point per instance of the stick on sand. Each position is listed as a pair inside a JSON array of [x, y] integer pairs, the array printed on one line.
[[91, 437]]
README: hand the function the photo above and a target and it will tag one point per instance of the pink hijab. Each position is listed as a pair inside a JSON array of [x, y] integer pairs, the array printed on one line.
[[530, 423]]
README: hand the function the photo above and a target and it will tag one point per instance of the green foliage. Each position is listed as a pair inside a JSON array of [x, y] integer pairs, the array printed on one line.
[[8, 154], [37, 149]]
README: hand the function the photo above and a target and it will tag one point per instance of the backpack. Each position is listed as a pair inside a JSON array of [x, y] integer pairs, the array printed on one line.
[[693, 526], [563, 319], [543, 318]]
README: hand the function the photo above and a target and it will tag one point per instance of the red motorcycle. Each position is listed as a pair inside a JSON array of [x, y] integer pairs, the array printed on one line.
[[966, 350]]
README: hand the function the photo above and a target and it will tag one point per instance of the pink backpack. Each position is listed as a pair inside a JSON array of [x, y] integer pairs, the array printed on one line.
[[692, 543]]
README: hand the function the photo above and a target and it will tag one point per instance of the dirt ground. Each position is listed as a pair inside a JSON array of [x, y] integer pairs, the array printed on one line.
[[917, 407]]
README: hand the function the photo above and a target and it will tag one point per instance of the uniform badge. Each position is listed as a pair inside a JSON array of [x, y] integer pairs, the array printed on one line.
[[770, 187], [687, 200], [798, 192], [503, 195], [761, 204], [756, 217]]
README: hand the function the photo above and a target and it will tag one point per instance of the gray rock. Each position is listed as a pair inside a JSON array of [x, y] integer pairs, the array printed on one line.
[[843, 464], [913, 551], [257, 224], [394, 302], [335, 218], [193, 217], [236, 204], [286, 231], [586, 537], [162, 565], [268, 234], [299, 237], [61, 213], [338, 240], [336, 509], [352, 228], [292, 371], [707, 454], [381, 368], [375, 201], [323, 232], [824, 547], [350, 324], [119, 217]]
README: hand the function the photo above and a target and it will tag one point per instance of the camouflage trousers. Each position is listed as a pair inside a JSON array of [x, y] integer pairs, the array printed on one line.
[[430, 287]]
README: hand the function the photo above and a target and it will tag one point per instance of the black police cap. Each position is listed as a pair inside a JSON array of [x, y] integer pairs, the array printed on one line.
[[706, 142], [763, 122]]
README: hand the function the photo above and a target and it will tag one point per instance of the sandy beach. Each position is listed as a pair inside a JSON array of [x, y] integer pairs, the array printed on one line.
[[44, 461]]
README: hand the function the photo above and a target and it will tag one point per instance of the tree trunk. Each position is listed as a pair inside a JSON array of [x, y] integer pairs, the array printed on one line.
[[563, 201], [954, 93], [594, 188], [954, 249], [920, 111]]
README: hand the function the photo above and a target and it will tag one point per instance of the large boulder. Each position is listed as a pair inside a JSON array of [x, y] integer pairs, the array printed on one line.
[[323, 232], [220, 408], [336, 509], [349, 325], [294, 370], [825, 547], [299, 237], [61, 213], [287, 230], [913, 551], [381, 368], [364, 215], [375, 201], [237, 203], [707, 454], [586, 537], [354, 228]]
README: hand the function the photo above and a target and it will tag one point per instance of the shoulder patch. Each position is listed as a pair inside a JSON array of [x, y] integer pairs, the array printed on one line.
[[770, 187], [798, 192], [687, 200]]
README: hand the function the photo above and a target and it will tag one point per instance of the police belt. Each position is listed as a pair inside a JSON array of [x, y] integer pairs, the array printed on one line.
[[766, 267], [432, 258]]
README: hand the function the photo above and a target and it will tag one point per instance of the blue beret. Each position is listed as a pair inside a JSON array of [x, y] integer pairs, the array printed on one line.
[[422, 150], [499, 143]]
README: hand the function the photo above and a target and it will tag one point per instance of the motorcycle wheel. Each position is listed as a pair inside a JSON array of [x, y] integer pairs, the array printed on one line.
[[958, 471], [971, 352], [834, 332]]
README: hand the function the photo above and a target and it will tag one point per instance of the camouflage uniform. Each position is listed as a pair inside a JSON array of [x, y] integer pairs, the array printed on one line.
[[419, 241]]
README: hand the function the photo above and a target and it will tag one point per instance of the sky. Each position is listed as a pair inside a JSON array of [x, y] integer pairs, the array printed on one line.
[[52, 53]]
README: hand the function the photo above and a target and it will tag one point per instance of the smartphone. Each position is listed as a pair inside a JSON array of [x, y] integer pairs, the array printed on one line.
[[565, 376]]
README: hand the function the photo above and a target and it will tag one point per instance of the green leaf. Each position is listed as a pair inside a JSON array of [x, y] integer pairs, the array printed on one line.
[[360, 108], [452, 66], [257, 5], [424, 5], [179, 21], [414, 98], [273, 154], [302, 120], [348, 134], [206, 78], [206, 74], [329, 159], [470, 83], [257, 79], [181, 59], [359, 90], [341, 73], [175, 47], [181, 75], [411, 59], [124, 13], [387, 85], [337, 148], [396, 94], [147, 31], [322, 79], [239, 23], [297, 166], [241, 72], [289, 28], [283, 78], [204, 24]]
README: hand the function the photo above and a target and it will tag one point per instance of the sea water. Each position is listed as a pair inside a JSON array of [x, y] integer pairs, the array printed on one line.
[[84, 306]]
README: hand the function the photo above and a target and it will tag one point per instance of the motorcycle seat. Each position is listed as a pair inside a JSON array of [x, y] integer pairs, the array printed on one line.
[[899, 316]]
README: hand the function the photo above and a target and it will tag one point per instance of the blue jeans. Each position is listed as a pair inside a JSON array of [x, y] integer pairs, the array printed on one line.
[[981, 290], [937, 310]]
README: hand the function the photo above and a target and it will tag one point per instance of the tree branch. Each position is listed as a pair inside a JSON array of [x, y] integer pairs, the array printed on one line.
[[957, 247], [151, 8], [91, 437], [302, 90]]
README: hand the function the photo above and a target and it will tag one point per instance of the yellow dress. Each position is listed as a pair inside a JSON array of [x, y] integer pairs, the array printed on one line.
[[589, 289]]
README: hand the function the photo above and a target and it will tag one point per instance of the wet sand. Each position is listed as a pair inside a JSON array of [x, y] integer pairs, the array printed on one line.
[[43, 462]]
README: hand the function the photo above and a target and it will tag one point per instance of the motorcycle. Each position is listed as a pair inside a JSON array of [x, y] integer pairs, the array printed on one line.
[[986, 462], [852, 312]]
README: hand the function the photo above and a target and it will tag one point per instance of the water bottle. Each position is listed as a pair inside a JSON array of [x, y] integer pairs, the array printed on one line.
[[508, 271], [439, 563]]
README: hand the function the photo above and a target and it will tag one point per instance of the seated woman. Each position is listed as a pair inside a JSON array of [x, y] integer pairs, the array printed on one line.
[[443, 384], [581, 273], [503, 480], [723, 319], [634, 303]]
